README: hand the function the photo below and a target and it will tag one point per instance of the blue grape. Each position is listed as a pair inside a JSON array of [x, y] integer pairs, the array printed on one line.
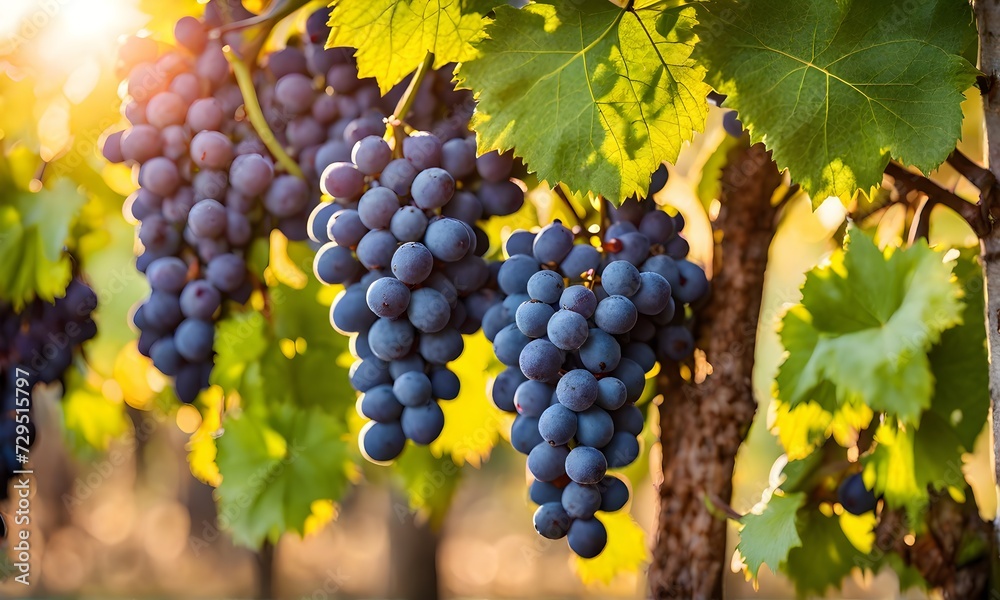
[[423, 150], [653, 294], [162, 310], [658, 226], [676, 343], [412, 388], [577, 390], [532, 318], [693, 283], [398, 176], [524, 434], [423, 424], [190, 380], [165, 356], [641, 354], [567, 330], [620, 278], [342, 180], [369, 373], [432, 188], [547, 463], [469, 274], [429, 311], [519, 242], [540, 360], [445, 384], [345, 228], [376, 248], [199, 300], [412, 263], [855, 496], [448, 239], [226, 272], [622, 450], [614, 494], [391, 339], [377, 206], [579, 299], [458, 157], [545, 286], [167, 274], [551, 521], [388, 297], [319, 221], [581, 501], [411, 362], [586, 465], [508, 345], [501, 198], [382, 442], [633, 376], [464, 206], [587, 537], [543, 492], [615, 315], [408, 224], [611, 393], [552, 243], [629, 419], [494, 166], [532, 398], [635, 248], [515, 273], [334, 264], [371, 154], [494, 320], [349, 312], [502, 388], [557, 425], [666, 267], [193, 339], [595, 427], [380, 404], [600, 353], [442, 346], [581, 259]]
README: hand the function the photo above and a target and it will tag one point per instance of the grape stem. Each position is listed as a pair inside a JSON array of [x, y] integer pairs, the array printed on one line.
[[278, 10], [406, 102], [256, 116]]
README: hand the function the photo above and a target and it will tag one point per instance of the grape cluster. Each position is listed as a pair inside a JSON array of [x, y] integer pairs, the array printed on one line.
[[578, 330], [37, 344], [401, 235], [209, 186]]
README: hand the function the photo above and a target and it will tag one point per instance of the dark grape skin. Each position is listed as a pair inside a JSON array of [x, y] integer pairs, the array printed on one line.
[[855, 496], [587, 537], [551, 521], [382, 442]]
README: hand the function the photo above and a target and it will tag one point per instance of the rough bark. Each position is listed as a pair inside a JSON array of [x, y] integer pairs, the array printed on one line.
[[413, 555], [936, 554], [988, 21], [703, 424]]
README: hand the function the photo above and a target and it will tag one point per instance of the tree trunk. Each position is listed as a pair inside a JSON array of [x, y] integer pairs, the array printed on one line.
[[988, 21], [412, 554], [703, 424]]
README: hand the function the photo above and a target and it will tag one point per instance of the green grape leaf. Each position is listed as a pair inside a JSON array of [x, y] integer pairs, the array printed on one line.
[[891, 468], [391, 37], [769, 535], [241, 340], [277, 470], [429, 481], [91, 420], [825, 557], [835, 88], [33, 231], [960, 362], [589, 93], [471, 426], [865, 325], [625, 553]]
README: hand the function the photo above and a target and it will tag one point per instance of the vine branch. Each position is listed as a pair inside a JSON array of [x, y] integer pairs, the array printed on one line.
[[908, 180], [406, 101], [245, 82]]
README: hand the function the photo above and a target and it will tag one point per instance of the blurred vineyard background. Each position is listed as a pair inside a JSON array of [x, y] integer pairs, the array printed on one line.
[[118, 512]]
